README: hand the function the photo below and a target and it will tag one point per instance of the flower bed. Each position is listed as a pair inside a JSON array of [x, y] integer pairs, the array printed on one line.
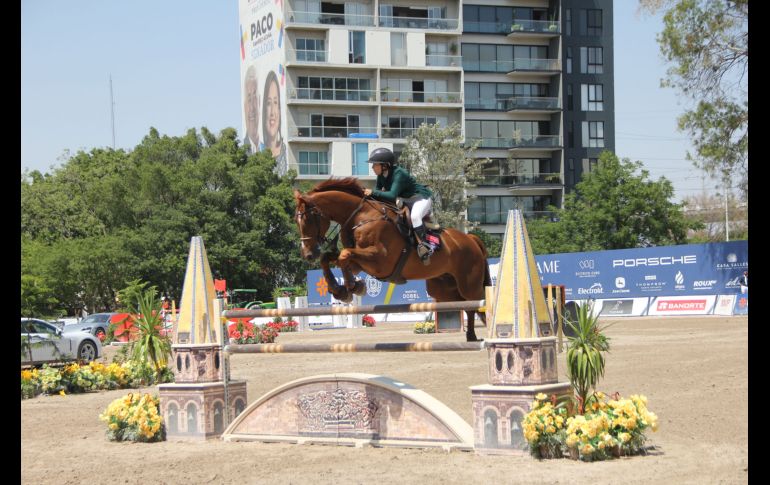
[[608, 428], [425, 327], [243, 331], [95, 376], [134, 417]]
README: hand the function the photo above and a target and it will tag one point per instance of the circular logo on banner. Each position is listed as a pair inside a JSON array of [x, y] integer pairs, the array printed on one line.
[[373, 286]]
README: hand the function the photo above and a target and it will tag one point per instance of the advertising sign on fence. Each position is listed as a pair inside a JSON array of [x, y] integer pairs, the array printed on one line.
[[682, 305], [701, 271]]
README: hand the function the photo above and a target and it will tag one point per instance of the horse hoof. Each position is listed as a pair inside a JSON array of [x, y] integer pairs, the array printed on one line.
[[344, 296], [359, 288], [473, 338]]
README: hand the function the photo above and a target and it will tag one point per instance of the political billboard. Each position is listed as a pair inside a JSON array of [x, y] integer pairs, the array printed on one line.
[[263, 78]]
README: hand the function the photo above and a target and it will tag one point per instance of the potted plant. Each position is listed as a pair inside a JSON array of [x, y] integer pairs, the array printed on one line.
[[516, 27], [585, 359], [368, 321], [453, 48]]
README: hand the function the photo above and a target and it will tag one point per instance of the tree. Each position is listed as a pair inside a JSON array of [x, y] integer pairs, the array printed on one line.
[[106, 218], [493, 244], [437, 158], [706, 41], [613, 207]]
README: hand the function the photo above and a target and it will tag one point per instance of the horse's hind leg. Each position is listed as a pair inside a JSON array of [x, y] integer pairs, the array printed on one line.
[[444, 288]]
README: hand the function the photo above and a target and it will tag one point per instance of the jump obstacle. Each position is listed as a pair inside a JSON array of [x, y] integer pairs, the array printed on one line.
[[360, 409]]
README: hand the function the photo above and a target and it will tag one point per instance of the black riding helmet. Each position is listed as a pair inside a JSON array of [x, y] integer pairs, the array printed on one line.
[[382, 155]]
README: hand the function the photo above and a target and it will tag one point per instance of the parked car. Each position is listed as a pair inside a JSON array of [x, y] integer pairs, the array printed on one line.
[[43, 342], [95, 324]]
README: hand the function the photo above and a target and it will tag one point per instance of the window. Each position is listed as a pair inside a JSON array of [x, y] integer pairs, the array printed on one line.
[[593, 134], [333, 88], [514, 171], [313, 163], [591, 60], [594, 22], [507, 134], [591, 97], [570, 134], [356, 47], [570, 175], [569, 60], [398, 48], [311, 50], [403, 126], [568, 21], [592, 164], [360, 157], [569, 97], [500, 58], [487, 19]]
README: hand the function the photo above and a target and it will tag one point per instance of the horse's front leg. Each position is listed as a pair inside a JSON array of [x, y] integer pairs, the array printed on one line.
[[350, 260], [339, 292]]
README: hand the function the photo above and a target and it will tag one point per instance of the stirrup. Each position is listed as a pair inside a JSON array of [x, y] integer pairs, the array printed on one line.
[[424, 251]]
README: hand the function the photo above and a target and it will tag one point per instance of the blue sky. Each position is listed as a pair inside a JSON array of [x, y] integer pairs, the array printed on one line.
[[175, 66]]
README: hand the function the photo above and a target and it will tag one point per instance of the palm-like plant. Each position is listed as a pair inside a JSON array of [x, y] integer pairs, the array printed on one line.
[[151, 346], [585, 361]]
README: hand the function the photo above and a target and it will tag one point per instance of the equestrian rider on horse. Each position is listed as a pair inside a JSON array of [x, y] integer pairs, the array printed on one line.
[[395, 182]]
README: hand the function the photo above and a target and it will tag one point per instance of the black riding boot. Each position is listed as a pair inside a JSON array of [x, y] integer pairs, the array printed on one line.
[[424, 248]]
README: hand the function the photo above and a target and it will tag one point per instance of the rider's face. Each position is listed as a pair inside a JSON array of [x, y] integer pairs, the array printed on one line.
[[378, 168]]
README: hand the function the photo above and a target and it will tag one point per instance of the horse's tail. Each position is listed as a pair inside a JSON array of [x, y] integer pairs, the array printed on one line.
[[480, 243]]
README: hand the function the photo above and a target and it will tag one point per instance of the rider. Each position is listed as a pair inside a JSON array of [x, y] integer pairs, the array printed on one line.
[[395, 182]]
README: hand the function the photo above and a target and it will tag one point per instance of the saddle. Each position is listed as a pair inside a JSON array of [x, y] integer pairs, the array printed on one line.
[[404, 225]]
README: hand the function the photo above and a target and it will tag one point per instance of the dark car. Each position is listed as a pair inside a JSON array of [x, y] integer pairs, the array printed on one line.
[[42, 342], [95, 324]]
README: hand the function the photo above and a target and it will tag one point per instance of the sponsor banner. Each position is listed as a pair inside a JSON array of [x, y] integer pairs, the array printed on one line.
[[689, 269], [741, 304], [682, 305], [725, 304]]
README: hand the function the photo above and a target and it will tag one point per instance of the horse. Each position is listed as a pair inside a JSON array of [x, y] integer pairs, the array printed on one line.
[[372, 243]]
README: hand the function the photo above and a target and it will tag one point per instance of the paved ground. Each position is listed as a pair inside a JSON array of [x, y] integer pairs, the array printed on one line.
[[693, 370]]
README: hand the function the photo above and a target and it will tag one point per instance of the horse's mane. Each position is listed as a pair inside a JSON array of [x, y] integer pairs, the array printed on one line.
[[349, 185]]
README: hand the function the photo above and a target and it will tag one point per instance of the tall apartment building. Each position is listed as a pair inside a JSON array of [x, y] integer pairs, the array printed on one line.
[[326, 82]]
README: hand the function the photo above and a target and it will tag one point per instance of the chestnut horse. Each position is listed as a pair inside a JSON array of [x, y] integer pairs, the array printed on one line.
[[372, 243]]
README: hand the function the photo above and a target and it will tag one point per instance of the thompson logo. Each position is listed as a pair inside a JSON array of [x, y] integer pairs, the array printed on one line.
[[595, 289], [678, 305], [373, 286], [655, 261]]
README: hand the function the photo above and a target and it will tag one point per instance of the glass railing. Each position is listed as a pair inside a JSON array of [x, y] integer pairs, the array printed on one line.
[[522, 64], [500, 217], [330, 18], [304, 55], [522, 179], [530, 141], [317, 131], [443, 60], [531, 102], [331, 94], [418, 23], [539, 26], [518, 102], [397, 132], [389, 96], [486, 27], [537, 141]]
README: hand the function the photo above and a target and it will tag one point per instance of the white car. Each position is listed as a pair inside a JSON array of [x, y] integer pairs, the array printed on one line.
[[43, 342], [96, 324]]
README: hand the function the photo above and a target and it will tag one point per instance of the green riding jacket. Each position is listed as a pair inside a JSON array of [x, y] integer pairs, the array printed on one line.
[[399, 183]]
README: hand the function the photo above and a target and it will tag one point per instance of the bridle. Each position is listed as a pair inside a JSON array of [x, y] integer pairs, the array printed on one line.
[[317, 215], [328, 241]]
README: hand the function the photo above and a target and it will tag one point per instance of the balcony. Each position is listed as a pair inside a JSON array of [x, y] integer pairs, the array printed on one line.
[[319, 131], [318, 18], [513, 66], [547, 27], [532, 103], [423, 23], [518, 180], [526, 64], [332, 94], [500, 217], [521, 103], [390, 96], [539, 142], [443, 60], [486, 27]]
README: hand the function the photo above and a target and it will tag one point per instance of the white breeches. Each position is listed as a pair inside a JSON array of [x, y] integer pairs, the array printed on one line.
[[420, 209]]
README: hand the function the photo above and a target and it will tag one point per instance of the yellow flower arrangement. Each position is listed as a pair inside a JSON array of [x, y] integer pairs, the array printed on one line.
[[543, 427], [134, 417]]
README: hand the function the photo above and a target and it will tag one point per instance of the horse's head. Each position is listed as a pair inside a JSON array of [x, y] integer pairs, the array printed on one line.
[[312, 224]]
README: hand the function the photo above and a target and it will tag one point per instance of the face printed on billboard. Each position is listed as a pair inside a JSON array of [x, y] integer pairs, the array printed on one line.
[[263, 75]]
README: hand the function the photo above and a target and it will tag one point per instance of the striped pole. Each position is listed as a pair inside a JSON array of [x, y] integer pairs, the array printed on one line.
[[476, 305], [353, 347]]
